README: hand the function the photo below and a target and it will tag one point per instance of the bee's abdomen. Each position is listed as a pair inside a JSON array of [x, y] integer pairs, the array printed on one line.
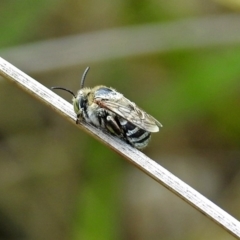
[[136, 136]]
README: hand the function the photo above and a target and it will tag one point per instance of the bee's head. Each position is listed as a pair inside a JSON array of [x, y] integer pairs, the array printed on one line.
[[79, 101]]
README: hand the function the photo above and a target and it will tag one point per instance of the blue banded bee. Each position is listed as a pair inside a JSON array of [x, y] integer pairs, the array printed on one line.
[[108, 109]]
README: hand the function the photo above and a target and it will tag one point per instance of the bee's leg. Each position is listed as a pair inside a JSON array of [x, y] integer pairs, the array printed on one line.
[[113, 126], [109, 122], [77, 119]]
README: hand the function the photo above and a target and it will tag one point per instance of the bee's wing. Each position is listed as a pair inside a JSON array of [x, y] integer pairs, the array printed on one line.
[[128, 110]]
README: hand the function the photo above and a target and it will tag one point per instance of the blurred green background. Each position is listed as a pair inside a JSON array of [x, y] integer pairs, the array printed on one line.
[[178, 60]]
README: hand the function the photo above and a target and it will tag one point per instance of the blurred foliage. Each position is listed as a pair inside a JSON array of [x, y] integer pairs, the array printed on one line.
[[21, 19], [58, 183]]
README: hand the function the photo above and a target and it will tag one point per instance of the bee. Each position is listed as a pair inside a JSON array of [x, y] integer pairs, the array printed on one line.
[[108, 109]]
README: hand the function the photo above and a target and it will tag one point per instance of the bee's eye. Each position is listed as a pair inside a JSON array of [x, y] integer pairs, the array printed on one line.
[[75, 106], [83, 103]]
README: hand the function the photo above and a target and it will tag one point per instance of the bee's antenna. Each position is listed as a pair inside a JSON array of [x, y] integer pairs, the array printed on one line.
[[84, 76], [67, 90]]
